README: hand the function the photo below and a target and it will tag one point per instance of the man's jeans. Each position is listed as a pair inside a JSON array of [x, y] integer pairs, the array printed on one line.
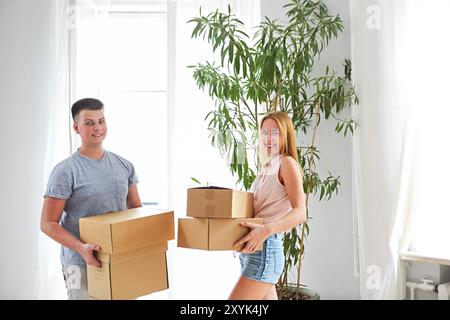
[[75, 278]]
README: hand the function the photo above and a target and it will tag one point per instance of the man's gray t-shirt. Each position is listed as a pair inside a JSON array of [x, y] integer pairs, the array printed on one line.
[[91, 187]]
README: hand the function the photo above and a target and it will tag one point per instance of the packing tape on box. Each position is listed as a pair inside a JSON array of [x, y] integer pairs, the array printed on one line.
[[210, 195]]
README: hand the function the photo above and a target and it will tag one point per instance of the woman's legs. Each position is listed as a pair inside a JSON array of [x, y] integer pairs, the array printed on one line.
[[248, 289], [271, 294]]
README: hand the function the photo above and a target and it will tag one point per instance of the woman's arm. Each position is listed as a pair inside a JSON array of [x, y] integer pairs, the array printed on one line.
[[290, 174]]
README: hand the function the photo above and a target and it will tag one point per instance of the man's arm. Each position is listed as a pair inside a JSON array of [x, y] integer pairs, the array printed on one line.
[[133, 200], [51, 214]]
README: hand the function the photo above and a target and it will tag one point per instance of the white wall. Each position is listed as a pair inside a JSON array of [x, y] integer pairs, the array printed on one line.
[[24, 34], [328, 262]]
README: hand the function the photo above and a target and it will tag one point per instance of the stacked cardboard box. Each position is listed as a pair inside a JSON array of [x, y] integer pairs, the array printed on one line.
[[133, 252], [215, 214]]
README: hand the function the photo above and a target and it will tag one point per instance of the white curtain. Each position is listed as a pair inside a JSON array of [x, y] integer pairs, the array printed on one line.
[[50, 280], [61, 140], [400, 62], [197, 274]]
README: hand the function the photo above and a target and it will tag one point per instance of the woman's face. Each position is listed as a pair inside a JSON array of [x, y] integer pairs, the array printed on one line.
[[270, 137]]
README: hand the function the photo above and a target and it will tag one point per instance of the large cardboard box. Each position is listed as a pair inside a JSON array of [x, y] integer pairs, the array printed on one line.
[[128, 230], [130, 274], [215, 202], [212, 233], [133, 252]]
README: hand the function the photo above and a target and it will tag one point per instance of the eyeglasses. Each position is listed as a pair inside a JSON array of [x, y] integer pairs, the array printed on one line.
[[273, 132]]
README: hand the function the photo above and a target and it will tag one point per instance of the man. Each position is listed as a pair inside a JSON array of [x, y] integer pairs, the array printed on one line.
[[91, 181]]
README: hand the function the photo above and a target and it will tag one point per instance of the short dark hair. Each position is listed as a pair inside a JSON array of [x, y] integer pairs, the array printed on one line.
[[86, 104]]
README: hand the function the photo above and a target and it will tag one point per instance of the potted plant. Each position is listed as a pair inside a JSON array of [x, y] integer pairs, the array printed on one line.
[[272, 71]]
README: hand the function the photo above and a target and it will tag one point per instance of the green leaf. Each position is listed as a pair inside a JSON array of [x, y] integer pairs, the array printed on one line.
[[237, 65], [231, 53]]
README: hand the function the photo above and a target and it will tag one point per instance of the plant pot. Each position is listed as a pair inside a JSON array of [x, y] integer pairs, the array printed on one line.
[[290, 293]]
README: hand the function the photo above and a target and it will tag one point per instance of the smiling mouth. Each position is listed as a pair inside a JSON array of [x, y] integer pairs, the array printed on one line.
[[97, 136]]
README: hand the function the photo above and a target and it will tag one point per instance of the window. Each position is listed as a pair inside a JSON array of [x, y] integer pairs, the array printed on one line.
[[427, 91], [120, 56]]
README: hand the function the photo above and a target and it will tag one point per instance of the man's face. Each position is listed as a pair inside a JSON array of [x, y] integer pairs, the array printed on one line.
[[91, 126]]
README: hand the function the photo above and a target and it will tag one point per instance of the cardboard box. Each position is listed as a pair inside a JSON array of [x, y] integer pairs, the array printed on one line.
[[212, 233], [215, 202], [128, 230], [129, 275]]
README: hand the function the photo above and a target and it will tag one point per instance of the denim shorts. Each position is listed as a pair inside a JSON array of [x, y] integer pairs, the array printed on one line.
[[264, 265]]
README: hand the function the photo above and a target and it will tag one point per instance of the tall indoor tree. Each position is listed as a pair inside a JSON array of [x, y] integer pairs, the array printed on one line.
[[274, 71]]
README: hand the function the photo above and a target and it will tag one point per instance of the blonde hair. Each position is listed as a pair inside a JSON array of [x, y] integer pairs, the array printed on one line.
[[287, 132]]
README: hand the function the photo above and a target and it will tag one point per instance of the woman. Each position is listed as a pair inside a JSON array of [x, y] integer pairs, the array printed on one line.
[[278, 199]]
